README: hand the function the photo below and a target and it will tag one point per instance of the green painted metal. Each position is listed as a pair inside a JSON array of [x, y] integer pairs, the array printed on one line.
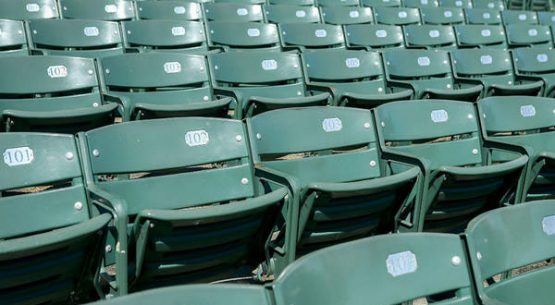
[[243, 36], [374, 36], [50, 240], [110, 10], [344, 15], [492, 68], [308, 36], [335, 3], [61, 94], [242, 1], [25, 10], [376, 3], [182, 10], [156, 85], [483, 16], [235, 12], [431, 37], [495, 248], [462, 177], [261, 81], [442, 15], [428, 73], [421, 3], [189, 222], [526, 122], [489, 4], [352, 194], [13, 40], [528, 35], [355, 76], [519, 17], [393, 269], [292, 14], [396, 15], [81, 38], [293, 2], [456, 3], [536, 63], [546, 18], [480, 36]]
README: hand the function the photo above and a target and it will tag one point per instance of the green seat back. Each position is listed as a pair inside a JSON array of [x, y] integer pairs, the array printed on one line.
[[374, 36], [519, 17], [323, 3], [523, 35], [491, 65], [292, 14], [243, 35], [397, 15], [429, 36], [388, 270], [83, 38], [480, 36], [13, 40], [347, 15], [111, 10], [546, 18], [165, 35], [456, 3], [420, 3], [489, 4], [175, 10], [376, 3], [495, 248], [483, 16], [26, 10], [442, 15], [233, 12], [292, 2], [312, 36], [535, 61]]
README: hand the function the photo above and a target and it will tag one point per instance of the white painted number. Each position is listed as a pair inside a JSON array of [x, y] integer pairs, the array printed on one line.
[[269, 64], [57, 71], [439, 116], [91, 31], [528, 111], [197, 138], [172, 67], [401, 263], [18, 156], [332, 124]]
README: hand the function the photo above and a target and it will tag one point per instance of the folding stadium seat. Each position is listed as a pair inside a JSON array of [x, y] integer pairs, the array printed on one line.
[[336, 3], [364, 196], [456, 3], [480, 36], [13, 40], [110, 10], [489, 4], [356, 77], [261, 81], [420, 3], [304, 36], [25, 10], [430, 37], [175, 10], [428, 73], [52, 93], [51, 234], [442, 16], [165, 35], [493, 69], [519, 17], [376, 3], [392, 269], [528, 35], [154, 85], [502, 241], [292, 14], [293, 2], [527, 122], [461, 177], [482, 16], [397, 15], [517, 4], [82, 38], [243, 36], [540, 5], [374, 36], [546, 18], [196, 215], [234, 12], [538, 63], [347, 15]]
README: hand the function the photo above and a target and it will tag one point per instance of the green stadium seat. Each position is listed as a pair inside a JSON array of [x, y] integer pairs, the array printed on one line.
[[540, 5], [461, 177], [392, 269], [347, 15], [434, 37], [489, 4], [176, 10], [26, 10], [519, 17], [483, 16], [442, 16], [52, 93], [234, 12], [420, 3], [528, 35], [155, 85], [110, 10], [52, 236], [456, 3], [292, 14], [428, 73], [480, 36], [306, 36], [165, 36], [72, 37], [538, 63], [397, 15], [502, 241], [336, 3], [241, 1], [243, 36], [13, 38], [293, 2], [493, 69], [376, 3], [199, 214], [364, 196], [261, 81], [546, 18], [374, 36], [356, 77], [526, 122]]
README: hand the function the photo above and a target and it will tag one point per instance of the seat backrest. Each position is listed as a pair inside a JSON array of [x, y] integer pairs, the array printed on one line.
[[292, 14], [336, 3], [346, 15], [445, 133], [397, 15], [456, 3], [482, 62], [173, 9], [534, 60], [442, 15], [489, 4], [376, 3], [519, 17], [312, 35], [235, 12], [414, 64], [243, 35], [522, 35], [429, 36], [110, 10], [13, 40], [374, 36], [481, 36], [482, 16], [387, 269], [165, 35], [546, 18], [420, 3], [495, 248], [25, 10]]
